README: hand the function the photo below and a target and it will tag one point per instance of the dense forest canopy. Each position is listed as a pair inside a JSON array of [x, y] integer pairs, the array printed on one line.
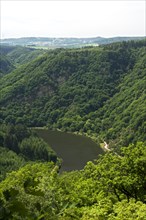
[[95, 91], [111, 188], [98, 91], [19, 146]]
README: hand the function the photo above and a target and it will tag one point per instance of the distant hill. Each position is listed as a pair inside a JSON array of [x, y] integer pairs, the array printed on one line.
[[19, 54], [99, 91], [13, 56], [6, 66], [64, 42]]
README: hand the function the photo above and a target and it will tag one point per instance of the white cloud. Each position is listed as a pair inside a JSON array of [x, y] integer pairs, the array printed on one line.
[[72, 18]]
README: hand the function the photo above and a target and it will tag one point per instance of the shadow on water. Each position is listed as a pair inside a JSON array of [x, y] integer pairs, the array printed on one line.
[[75, 150]]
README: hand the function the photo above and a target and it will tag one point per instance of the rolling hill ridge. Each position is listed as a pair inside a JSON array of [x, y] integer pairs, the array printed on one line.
[[98, 91], [48, 42]]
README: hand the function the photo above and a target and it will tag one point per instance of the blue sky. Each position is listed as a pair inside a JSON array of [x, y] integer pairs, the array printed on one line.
[[72, 18]]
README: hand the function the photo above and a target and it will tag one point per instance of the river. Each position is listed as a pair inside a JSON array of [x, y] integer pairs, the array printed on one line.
[[75, 150]]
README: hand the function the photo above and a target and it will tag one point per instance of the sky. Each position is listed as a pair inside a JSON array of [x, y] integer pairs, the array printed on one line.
[[72, 18]]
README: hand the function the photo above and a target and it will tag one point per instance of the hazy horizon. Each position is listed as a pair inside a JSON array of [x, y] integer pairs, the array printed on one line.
[[72, 19], [69, 37]]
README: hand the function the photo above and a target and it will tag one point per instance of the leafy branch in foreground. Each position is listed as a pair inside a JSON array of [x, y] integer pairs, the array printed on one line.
[[111, 188]]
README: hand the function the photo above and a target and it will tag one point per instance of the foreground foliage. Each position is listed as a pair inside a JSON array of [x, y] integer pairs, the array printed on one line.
[[111, 188]]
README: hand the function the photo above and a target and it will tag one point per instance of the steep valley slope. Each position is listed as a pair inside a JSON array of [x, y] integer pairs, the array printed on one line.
[[99, 91]]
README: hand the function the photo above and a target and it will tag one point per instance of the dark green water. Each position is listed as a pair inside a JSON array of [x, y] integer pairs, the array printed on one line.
[[75, 150]]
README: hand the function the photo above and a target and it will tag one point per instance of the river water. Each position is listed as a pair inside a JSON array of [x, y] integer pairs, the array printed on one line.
[[75, 150]]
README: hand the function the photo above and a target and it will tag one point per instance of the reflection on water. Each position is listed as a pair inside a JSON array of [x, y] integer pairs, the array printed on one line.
[[75, 150]]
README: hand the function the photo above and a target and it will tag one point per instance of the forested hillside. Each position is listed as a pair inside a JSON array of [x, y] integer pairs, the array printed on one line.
[[98, 91], [13, 56], [6, 65], [19, 146]]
